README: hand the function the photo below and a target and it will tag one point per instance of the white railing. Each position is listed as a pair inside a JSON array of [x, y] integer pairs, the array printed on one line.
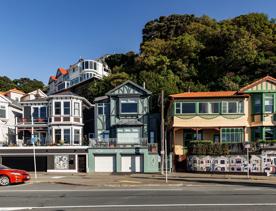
[[114, 142]]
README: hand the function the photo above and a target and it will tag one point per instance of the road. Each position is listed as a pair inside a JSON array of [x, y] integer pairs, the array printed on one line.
[[195, 196]]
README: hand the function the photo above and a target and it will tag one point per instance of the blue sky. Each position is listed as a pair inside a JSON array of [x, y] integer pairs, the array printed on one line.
[[38, 36]]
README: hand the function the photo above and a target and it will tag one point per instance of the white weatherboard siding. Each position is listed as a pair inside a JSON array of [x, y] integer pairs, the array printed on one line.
[[131, 163], [104, 163]]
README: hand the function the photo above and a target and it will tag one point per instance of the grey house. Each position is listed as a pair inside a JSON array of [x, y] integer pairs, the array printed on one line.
[[123, 142]]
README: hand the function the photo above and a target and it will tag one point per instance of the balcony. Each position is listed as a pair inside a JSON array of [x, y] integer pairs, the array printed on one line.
[[127, 143], [31, 121]]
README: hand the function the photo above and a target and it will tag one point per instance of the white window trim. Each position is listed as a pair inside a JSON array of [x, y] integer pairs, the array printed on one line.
[[128, 99], [6, 110]]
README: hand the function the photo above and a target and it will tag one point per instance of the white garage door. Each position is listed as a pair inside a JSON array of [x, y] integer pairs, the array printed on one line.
[[131, 163], [104, 163]]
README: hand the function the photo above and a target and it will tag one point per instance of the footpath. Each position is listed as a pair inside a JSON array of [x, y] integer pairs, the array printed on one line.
[[105, 180]]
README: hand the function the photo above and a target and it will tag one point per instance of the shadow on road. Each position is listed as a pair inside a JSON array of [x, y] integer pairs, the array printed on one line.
[[248, 183]]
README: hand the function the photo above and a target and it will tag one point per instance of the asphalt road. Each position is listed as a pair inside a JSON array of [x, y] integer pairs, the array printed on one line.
[[190, 197]]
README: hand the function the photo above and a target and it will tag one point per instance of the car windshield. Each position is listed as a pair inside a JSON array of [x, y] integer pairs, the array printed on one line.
[[3, 167]]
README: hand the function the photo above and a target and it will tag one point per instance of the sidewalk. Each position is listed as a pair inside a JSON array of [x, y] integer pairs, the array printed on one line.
[[98, 180]]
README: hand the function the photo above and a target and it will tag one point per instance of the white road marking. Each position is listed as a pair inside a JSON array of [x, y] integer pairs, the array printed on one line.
[[90, 190], [140, 205], [57, 177]]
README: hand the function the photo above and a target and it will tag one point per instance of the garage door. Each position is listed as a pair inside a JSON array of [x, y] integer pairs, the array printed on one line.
[[26, 163], [104, 163], [131, 163]]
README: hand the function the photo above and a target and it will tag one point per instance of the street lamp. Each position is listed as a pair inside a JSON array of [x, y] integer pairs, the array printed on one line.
[[247, 147]]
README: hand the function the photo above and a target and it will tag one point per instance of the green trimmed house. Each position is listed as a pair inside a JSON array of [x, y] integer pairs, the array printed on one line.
[[226, 119], [123, 139]]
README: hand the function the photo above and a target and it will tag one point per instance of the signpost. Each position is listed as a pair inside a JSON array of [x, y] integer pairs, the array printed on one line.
[[33, 142]]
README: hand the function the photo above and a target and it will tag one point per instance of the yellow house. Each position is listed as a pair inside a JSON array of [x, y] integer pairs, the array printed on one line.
[[227, 117]]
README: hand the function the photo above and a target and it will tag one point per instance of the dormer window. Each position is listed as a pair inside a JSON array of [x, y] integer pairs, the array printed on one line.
[[129, 106]]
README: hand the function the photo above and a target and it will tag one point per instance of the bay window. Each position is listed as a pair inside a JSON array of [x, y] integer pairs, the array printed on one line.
[[57, 108], [57, 135], [66, 136], [77, 109], [76, 136], [66, 108]]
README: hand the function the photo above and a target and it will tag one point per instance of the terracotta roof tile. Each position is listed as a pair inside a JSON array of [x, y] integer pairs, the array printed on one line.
[[15, 90], [207, 94], [63, 71], [53, 78]]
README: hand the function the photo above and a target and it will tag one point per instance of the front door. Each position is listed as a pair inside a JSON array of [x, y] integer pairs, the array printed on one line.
[[81, 163]]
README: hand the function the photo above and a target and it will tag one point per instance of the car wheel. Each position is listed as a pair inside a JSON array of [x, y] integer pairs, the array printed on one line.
[[4, 180]]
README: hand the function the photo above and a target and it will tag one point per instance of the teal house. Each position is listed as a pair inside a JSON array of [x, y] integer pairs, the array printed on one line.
[[123, 141]]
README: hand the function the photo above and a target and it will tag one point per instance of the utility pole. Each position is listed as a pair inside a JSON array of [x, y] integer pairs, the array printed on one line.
[[162, 133]]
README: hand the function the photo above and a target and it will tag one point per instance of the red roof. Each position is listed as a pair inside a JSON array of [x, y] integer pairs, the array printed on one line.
[[53, 78], [62, 71], [15, 90], [208, 94]]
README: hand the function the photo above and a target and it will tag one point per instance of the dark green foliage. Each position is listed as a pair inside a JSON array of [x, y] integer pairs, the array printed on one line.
[[207, 148], [23, 84], [182, 53]]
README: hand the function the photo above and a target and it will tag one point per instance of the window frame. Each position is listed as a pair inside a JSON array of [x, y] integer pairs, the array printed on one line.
[[225, 107], [229, 135], [79, 136], [68, 129], [77, 109], [58, 114], [269, 97], [4, 108], [63, 108], [195, 105], [129, 99]]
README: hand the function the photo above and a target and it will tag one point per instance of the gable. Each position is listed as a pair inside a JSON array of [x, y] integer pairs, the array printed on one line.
[[128, 88], [266, 84], [4, 99]]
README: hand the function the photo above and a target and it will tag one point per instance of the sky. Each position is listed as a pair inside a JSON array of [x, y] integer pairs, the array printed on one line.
[[38, 36]]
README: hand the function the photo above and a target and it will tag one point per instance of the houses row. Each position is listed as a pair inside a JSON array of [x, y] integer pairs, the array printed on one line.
[[118, 133], [69, 134]]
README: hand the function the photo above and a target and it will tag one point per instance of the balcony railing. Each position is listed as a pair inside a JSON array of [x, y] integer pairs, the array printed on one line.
[[31, 121], [123, 143]]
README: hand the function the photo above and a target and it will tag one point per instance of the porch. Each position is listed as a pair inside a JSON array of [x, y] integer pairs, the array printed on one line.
[[184, 137]]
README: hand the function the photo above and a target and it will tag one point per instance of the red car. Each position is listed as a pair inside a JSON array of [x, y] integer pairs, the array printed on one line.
[[12, 176]]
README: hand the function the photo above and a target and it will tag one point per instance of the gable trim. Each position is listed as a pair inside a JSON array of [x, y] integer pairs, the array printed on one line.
[[256, 83], [128, 82]]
